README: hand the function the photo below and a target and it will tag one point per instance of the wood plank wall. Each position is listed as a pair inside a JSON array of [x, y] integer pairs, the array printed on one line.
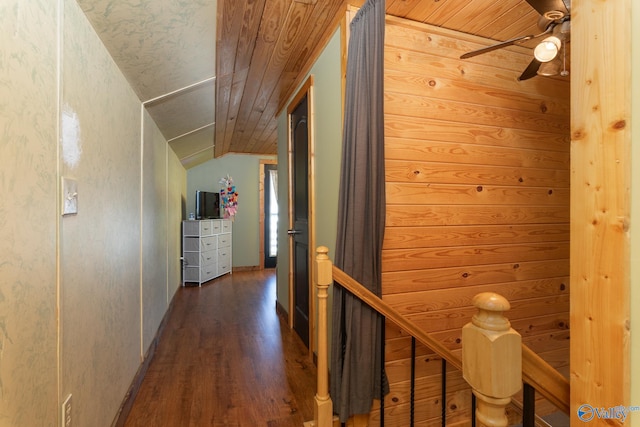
[[601, 255], [477, 169]]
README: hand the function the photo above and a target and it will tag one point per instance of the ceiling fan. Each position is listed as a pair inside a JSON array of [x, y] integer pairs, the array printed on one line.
[[555, 26]]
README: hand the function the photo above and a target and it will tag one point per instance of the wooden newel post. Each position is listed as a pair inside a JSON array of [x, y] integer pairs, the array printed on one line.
[[491, 359], [323, 408]]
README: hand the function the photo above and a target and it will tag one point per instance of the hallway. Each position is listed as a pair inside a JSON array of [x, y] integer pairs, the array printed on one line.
[[226, 359]]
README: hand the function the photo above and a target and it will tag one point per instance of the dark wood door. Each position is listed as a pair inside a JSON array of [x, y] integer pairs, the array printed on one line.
[[300, 231]]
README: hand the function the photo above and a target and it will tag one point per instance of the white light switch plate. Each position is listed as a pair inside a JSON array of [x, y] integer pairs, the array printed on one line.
[[69, 196]]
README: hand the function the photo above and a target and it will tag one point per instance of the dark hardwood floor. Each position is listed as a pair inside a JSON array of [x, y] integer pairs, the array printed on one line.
[[227, 359]]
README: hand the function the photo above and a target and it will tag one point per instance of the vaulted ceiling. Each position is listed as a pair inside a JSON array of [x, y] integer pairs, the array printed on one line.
[[214, 74]]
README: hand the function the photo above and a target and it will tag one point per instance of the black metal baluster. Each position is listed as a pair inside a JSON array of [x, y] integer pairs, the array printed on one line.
[[413, 381], [529, 406], [473, 410], [382, 376], [444, 393]]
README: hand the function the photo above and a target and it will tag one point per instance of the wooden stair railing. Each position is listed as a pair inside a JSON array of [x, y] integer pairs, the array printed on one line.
[[545, 379], [323, 406], [535, 371], [491, 359]]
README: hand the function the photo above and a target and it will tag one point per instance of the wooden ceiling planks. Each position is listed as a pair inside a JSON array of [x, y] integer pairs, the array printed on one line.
[[263, 47], [474, 18], [272, 21], [526, 25], [280, 43], [401, 7], [239, 67], [518, 18], [422, 11]]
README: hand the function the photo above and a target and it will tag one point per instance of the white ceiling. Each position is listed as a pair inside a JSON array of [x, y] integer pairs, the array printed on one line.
[[166, 50]]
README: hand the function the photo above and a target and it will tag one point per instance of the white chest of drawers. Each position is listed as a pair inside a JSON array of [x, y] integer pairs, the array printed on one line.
[[206, 249]]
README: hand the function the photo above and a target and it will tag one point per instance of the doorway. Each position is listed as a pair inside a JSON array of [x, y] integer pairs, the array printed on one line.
[[300, 232], [270, 206]]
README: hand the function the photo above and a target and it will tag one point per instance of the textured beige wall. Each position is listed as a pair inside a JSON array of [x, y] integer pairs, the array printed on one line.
[[111, 269], [100, 246], [154, 230], [28, 217], [163, 195], [177, 196]]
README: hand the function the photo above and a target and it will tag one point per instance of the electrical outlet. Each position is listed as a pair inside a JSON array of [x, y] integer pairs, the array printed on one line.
[[66, 412]]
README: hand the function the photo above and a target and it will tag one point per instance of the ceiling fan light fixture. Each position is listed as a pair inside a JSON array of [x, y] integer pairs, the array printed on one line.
[[554, 15], [551, 68], [547, 49]]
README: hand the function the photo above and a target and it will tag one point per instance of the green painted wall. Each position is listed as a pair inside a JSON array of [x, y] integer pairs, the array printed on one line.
[[327, 107], [244, 169]]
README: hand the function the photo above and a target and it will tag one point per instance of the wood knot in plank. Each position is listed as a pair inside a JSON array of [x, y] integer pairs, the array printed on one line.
[[578, 135], [619, 125], [543, 107], [623, 224]]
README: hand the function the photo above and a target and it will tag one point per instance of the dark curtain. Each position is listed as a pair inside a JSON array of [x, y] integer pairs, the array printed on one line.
[[356, 362]]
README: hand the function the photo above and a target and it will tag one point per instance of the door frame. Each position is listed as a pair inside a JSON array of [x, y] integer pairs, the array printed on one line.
[[305, 89], [261, 190]]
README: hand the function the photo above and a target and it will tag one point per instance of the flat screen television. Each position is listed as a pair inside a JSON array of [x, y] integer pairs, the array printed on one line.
[[207, 205]]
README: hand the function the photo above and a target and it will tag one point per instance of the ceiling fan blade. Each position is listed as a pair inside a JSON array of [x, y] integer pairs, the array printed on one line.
[[543, 6], [505, 43], [531, 70], [496, 46]]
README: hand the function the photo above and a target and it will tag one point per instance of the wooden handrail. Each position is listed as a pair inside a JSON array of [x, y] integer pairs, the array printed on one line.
[[394, 315], [545, 379], [535, 371]]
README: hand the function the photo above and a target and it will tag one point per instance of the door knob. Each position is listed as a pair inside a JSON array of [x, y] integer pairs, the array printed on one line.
[[290, 232]]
